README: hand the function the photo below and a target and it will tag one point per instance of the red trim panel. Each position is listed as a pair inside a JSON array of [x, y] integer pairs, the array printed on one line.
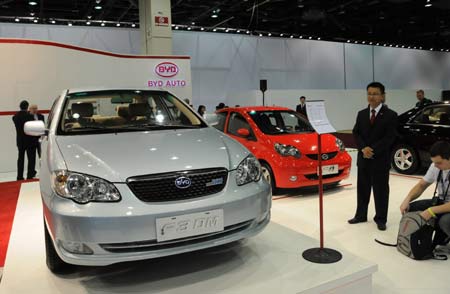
[[14, 112], [47, 43]]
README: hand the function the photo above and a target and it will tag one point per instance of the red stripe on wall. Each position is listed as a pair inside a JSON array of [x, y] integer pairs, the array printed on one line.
[[14, 112], [54, 44]]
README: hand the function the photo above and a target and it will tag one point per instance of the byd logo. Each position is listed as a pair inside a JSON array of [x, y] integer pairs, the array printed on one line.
[[182, 182], [167, 69]]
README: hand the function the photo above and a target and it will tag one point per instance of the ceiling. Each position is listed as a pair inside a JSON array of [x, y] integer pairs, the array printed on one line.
[[392, 22]]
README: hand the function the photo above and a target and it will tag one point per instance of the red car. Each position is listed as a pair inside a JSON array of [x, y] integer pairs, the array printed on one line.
[[286, 146]]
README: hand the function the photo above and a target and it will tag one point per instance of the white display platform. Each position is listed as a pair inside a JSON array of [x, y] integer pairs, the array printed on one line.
[[268, 263]]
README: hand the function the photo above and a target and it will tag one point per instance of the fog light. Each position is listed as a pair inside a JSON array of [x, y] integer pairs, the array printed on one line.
[[75, 247], [293, 178]]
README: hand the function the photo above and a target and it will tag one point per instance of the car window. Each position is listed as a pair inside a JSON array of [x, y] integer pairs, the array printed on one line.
[[439, 114], [237, 121], [276, 122], [222, 117], [125, 110]]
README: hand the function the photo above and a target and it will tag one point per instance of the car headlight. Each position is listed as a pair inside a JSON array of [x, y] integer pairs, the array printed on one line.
[[83, 188], [340, 144], [249, 170], [287, 150]]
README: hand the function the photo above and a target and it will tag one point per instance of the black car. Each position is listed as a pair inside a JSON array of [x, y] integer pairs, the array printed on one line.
[[418, 129]]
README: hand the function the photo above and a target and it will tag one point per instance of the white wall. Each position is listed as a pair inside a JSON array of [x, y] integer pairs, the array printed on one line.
[[39, 72]]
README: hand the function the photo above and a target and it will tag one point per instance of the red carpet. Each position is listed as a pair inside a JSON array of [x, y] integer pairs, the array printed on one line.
[[9, 193]]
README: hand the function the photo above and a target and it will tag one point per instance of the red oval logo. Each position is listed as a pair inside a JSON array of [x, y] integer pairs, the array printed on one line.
[[167, 69]]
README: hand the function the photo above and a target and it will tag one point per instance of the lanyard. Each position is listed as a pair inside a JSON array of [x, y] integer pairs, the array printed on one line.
[[441, 181]]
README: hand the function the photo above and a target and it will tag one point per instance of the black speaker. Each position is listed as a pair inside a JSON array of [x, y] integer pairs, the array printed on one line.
[[263, 85], [446, 95]]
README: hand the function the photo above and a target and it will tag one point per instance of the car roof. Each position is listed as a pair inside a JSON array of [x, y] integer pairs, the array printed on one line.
[[77, 90], [255, 108]]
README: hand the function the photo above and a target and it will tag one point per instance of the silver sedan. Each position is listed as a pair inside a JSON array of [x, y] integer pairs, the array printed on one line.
[[136, 174]]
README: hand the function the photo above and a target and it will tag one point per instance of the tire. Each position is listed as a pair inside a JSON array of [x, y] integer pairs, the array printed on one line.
[[267, 174], [54, 263], [405, 159]]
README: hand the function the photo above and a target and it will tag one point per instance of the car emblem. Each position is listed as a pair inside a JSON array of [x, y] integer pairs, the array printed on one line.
[[182, 182], [324, 156]]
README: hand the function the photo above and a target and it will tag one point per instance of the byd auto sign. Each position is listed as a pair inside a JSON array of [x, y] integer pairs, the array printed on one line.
[[167, 69]]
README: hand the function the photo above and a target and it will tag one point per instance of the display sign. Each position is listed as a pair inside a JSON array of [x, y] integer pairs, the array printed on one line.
[[318, 117], [166, 73], [162, 21]]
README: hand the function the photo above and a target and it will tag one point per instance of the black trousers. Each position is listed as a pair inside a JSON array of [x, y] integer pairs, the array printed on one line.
[[31, 156], [378, 180]]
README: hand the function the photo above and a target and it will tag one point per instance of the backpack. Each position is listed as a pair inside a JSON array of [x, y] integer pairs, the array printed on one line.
[[415, 237]]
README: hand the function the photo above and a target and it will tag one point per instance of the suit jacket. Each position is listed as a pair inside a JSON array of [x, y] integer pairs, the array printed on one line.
[[380, 136], [301, 110], [19, 119]]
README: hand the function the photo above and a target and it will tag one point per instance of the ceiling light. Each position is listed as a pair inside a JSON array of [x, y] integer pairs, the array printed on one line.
[[281, 35], [318, 38], [348, 41], [301, 37], [103, 24], [420, 47], [270, 34], [214, 30], [378, 44], [390, 45], [118, 25], [53, 21], [189, 28], [88, 23], [35, 21], [32, 13], [431, 49], [32, 3], [248, 32], [98, 7], [364, 42], [403, 46], [193, 23], [415, 47], [133, 25], [176, 27], [428, 5], [356, 42], [202, 29], [396, 46], [227, 30], [409, 47], [260, 35], [69, 24], [89, 16], [214, 16], [446, 50], [16, 19], [291, 36], [370, 43], [442, 49], [310, 38]]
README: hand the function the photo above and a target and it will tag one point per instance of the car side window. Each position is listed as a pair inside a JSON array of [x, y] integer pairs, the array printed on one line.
[[222, 117], [237, 121], [434, 115]]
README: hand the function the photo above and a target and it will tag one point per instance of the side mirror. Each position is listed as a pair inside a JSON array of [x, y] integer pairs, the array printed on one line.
[[243, 132], [212, 119], [35, 128]]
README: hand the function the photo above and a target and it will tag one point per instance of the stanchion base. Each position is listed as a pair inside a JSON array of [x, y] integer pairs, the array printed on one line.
[[322, 255]]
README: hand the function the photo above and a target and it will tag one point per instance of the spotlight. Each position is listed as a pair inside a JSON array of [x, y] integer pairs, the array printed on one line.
[[238, 31], [431, 49], [202, 29], [133, 25], [364, 42], [310, 38], [32, 3], [53, 21], [291, 36], [118, 25], [98, 7], [189, 28], [16, 19], [214, 16], [270, 34], [260, 35], [318, 38], [227, 30], [348, 41], [103, 24], [176, 27], [88, 23], [281, 35], [69, 24], [214, 30], [301, 37], [35, 21], [248, 32]]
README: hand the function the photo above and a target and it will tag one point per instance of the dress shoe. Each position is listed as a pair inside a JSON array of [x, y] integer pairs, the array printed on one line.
[[356, 220], [20, 179], [381, 227]]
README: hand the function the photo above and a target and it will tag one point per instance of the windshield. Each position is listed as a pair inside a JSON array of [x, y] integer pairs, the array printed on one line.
[[125, 110], [278, 122]]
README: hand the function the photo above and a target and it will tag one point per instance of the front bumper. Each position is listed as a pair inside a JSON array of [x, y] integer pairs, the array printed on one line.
[[304, 171], [126, 230]]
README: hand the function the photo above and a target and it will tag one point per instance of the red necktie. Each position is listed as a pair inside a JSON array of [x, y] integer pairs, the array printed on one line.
[[372, 117]]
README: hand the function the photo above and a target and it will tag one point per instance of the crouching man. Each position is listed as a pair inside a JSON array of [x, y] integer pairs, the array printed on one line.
[[437, 208]]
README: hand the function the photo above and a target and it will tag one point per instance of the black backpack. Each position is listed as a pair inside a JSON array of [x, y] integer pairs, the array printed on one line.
[[415, 237]]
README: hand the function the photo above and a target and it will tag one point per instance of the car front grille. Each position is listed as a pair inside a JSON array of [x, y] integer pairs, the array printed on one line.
[[164, 187], [316, 176], [152, 245], [329, 156]]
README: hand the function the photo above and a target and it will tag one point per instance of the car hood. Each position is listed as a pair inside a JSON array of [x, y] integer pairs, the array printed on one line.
[[115, 157], [307, 143]]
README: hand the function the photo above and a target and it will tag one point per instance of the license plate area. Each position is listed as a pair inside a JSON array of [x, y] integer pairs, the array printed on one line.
[[329, 169], [188, 225]]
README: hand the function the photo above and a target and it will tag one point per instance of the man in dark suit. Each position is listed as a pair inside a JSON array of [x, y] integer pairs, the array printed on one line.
[[420, 94], [24, 142], [36, 116], [374, 133], [301, 108]]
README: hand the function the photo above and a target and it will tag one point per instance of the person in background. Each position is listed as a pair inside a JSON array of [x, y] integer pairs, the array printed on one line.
[[188, 102], [220, 106], [24, 142], [374, 133], [439, 171], [201, 110], [420, 94], [301, 108], [33, 110]]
